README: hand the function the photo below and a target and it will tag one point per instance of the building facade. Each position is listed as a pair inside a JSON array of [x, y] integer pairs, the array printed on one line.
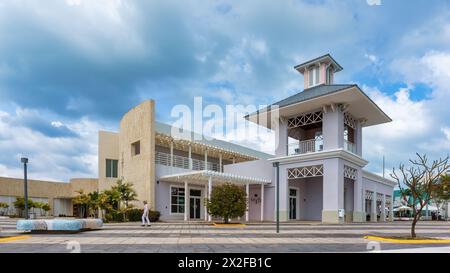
[[317, 165]]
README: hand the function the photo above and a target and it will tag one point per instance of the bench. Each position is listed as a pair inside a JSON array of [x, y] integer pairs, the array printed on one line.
[[72, 225]]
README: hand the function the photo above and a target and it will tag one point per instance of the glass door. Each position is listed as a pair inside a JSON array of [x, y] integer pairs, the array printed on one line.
[[292, 204], [195, 204]]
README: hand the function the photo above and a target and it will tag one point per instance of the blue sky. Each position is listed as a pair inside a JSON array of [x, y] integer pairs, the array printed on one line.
[[69, 68]]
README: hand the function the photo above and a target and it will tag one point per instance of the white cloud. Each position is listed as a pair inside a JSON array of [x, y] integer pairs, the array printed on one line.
[[407, 115], [371, 57], [419, 125], [57, 124], [51, 158]]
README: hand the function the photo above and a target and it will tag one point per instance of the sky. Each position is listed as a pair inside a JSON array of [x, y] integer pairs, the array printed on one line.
[[71, 68]]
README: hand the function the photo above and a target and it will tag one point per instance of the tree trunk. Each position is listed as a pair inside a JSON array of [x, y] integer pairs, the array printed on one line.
[[225, 219], [413, 227]]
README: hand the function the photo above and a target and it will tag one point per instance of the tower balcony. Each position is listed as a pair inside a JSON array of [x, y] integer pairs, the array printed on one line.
[[305, 146]]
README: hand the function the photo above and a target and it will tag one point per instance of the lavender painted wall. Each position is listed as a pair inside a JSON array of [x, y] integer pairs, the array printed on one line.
[[309, 198], [262, 169]]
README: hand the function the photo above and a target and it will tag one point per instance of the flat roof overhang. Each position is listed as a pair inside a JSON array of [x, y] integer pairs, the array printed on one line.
[[359, 105], [202, 177]]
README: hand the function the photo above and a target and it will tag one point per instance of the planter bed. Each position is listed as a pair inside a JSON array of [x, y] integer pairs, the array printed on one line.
[[68, 225]]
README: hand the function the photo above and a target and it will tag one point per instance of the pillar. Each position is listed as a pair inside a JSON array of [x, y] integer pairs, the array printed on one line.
[[383, 209], [220, 162], [359, 138], [333, 128], [171, 154], [358, 197], [190, 157], [333, 191], [206, 159], [204, 201], [373, 212], [281, 138], [262, 202], [186, 200], [209, 194], [391, 209], [247, 192]]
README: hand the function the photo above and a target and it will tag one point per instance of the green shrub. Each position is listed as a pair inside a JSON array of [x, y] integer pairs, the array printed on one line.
[[132, 215], [153, 215], [135, 215], [227, 201]]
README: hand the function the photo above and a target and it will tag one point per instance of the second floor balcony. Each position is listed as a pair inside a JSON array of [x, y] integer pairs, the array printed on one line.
[[185, 163], [305, 146], [315, 145]]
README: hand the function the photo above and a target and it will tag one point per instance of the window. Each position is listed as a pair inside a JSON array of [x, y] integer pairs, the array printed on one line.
[[177, 200], [111, 167], [136, 148], [313, 76], [329, 76], [349, 134]]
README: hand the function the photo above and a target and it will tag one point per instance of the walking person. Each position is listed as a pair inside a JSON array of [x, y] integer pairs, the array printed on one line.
[[145, 215]]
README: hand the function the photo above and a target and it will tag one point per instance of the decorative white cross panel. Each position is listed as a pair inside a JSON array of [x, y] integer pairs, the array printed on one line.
[[349, 120], [369, 195], [303, 172], [388, 199], [379, 197], [305, 119], [350, 172]]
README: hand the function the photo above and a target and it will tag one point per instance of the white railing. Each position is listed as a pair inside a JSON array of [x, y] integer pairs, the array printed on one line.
[[350, 146], [183, 162], [305, 146]]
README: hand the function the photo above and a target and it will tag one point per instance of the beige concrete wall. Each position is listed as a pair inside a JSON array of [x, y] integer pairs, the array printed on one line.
[[46, 189], [85, 184], [108, 148], [138, 124]]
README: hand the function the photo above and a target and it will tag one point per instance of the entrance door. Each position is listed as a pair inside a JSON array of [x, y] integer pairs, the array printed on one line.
[[292, 204], [195, 203]]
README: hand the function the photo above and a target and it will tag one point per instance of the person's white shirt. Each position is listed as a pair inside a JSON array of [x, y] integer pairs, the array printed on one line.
[[145, 220], [146, 209]]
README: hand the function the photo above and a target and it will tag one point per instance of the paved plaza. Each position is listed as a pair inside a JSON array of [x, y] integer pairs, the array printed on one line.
[[203, 237]]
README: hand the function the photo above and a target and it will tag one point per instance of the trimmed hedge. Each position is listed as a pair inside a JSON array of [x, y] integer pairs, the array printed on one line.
[[132, 215], [135, 215]]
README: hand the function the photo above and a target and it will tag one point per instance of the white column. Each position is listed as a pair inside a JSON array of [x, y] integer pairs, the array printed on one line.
[[234, 160], [383, 209], [204, 202], [190, 157], [186, 200], [373, 212], [220, 163], [358, 204], [209, 193], [171, 154], [206, 159], [262, 202], [247, 191], [391, 209]]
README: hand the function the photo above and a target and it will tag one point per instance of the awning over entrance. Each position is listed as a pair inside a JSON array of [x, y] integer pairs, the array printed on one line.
[[217, 177]]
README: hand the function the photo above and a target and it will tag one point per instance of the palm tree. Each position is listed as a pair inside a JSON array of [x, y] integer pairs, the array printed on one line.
[[111, 199], [93, 203], [126, 191], [82, 200]]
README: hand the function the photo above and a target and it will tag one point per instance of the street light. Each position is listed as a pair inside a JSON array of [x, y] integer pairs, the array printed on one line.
[[24, 160]]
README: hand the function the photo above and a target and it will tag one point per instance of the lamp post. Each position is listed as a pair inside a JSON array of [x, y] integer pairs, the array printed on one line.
[[277, 166], [24, 160]]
